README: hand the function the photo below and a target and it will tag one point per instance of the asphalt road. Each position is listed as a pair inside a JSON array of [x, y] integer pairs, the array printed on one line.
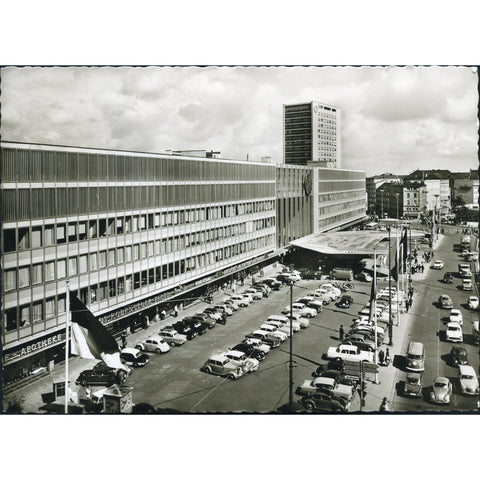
[[428, 326], [174, 382]]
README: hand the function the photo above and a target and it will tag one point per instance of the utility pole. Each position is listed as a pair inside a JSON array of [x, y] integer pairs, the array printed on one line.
[[390, 323], [290, 385]]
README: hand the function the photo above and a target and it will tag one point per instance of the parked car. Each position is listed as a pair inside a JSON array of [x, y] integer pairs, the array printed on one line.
[[302, 309], [271, 340], [454, 333], [219, 317], [285, 321], [458, 355], [133, 357], [448, 278], [249, 351], [438, 264], [468, 380], [246, 363], [281, 327], [241, 300], [321, 292], [413, 385], [256, 294], [473, 303], [205, 318], [441, 390], [467, 284], [345, 301], [456, 316], [231, 304], [349, 352], [325, 383], [258, 345], [366, 345], [364, 277], [101, 374], [172, 337], [324, 402], [223, 366], [224, 308], [272, 330], [155, 343], [199, 327], [445, 301], [184, 329], [272, 283], [263, 288]]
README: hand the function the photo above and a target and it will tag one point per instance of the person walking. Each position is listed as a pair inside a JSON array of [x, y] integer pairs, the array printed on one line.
[[381, 357], [384, 407], [341, 332], [123, 338]]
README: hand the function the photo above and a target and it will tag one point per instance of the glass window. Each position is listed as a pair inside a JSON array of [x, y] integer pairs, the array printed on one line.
[[72, 266], [10, 279], [23, 239], [50, 307], [102, 259], [36, 237], [72, 232], [143, 250], [61, 238], [82, 267], [82, 230], [61, 268], [93, 229], [49, 271], [150, 249], [23, 277], [10, 319], [37, 274], [93, 261], [61, 303], [48, 235], [24, 315], [136, 252], [120, 255], [37, 312], [128, 254], [111, 257]]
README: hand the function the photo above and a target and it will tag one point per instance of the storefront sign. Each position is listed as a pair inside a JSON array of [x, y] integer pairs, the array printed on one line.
[[34, 347]]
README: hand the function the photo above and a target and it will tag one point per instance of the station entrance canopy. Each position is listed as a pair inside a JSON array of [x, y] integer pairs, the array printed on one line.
[[345, 243]]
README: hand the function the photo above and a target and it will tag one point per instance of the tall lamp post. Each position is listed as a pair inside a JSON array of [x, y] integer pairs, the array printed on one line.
[[436, 212], [390, 323], [290, 380]]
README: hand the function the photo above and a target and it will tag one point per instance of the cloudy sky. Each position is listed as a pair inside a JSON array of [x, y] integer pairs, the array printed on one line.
[[393, 119]]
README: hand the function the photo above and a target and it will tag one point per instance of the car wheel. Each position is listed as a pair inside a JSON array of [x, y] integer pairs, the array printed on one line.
[[309, 315], [337, 410], [207, 369], [309, 405], [158, 350], [173, 344], [231, 376], [83, 383], [139, 346], [121, 378]]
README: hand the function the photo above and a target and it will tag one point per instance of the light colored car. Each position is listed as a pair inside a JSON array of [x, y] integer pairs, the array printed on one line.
[[285, 321], [438, 264], [454, 333], [349, 352], [258, 345], [467, 284], [413, 384], [232, 304], [214, 314], [255, 294], [331, 288], [272, 330], [468, 380], [224, 308], [272, 340], [241, 300], [281, 327], [155, 343], [473, 303], [133, 357], [239, 358], [445, 301], [302, 309], [328, 385], [322, 292], [172, 337], [223, 366], [456, 316], [441, 390]]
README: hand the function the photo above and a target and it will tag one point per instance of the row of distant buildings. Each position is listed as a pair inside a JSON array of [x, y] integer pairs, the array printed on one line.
[[420, 192]]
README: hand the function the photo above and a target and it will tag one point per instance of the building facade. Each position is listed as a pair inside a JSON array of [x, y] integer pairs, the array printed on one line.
[[464, 187], [131, 232], [372, 185], [311, 134], [390, 200]]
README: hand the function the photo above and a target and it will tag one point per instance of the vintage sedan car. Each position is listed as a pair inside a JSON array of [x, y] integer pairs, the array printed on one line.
[[335, 364], [349, 352], [364, 277], [345, 301], [155, 343], [438, 264], [467, 284], [473, 302], [281, 327], [133, 357], [272, 283], [101, 374], [241, 300], [302, 309], [249, 351], [219, 317], [272, 330], [325, 384], [185, 329], [268, 338], [172, 337], [441, 390], [256, 294], [324, 402], [205, 318], [456, 316], [454, 333], [258, 345], [458, 355], [247, 364], [445, 301], [413, 385], [468, 380], [448, 278], [196, 324], [323, 292], [283, 321], [231, 304], [224, 308], [366, 345], [262, 287], [223, 366]]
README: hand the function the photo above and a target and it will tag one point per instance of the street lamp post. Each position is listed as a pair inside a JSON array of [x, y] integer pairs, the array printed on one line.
[[390, 325], [290, 384]]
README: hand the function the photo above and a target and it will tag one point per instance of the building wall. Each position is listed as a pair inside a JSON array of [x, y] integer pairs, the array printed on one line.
[[466, 189], [120, 227]]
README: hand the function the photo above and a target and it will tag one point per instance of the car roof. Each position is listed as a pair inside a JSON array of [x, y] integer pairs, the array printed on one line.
[[414, 375], [219, 357], [453, 324], [325, 380], [155, 337], [235, 353], [467, 370], [441, 379], [131, 350]]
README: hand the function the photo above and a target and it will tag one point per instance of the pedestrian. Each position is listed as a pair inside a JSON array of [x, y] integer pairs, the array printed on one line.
[[384, 407], [381, 357], [341, 332], [410, 301], [175, 311], [123, 338], [163, 315], [406, 306]]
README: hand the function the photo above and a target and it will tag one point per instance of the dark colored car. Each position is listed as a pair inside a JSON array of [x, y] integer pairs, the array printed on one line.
[[205, 319], [448, 278], [458, 355], [101, 374], [185, 328], [134, 357], [272, 283], [312, 275], [335, 364], [283, 277], [323, 402], [365, 345], [214, 311], [345, 301], [249, 351], [198, 326]]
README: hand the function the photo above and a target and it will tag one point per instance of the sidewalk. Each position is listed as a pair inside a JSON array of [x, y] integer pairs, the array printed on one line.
[[32, 396]]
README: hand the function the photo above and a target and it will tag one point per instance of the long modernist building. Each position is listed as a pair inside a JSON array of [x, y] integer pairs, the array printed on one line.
[[133, 232]]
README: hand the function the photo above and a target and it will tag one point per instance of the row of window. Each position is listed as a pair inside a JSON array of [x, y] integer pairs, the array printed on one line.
[[337, 207], [38, 236], [49, 271], [39, 203], [341, 217], [25, 165], [39, 311]]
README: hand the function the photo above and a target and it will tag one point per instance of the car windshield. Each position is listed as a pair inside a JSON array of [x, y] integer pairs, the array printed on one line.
[[413, 381], [440, 384], [453, 329], [467, 377]]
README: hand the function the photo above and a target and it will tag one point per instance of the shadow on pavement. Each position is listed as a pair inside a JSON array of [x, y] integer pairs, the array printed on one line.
[[399, 361]]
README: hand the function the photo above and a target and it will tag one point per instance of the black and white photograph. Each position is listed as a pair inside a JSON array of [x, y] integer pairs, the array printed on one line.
[[239, 239]]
